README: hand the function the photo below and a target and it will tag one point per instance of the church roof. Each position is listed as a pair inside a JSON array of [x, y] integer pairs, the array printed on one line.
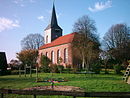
[[59, 41]]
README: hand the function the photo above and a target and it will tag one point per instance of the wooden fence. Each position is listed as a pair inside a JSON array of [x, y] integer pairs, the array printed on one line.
[[64, 93]]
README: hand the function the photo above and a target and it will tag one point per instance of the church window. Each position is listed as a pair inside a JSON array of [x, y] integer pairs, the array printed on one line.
[[46, 54], [47, 39], [52, 56], [65, 55], [58, 56], [57, 30]]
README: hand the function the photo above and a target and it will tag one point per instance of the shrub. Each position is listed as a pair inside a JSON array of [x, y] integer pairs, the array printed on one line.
[[117, 69], [68, 68], [45, 64], [45, 69], [96, 67], [54, 68], [60, 68], [45, 61]]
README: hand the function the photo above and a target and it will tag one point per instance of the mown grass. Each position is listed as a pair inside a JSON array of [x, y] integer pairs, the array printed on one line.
[[90, 83]]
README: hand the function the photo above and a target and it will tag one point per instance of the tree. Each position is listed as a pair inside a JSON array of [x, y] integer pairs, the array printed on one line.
[[44, 62], [32, 41], [117, 42], [86, 42], [28, 57], [86, 26]]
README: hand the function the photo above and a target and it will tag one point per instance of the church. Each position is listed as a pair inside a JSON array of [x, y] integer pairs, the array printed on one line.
[[57, 48]]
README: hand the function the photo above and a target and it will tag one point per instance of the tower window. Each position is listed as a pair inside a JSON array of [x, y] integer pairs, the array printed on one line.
[[47, 39], [57, 30]]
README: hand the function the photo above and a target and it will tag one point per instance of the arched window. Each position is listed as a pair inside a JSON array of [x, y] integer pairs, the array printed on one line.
[[52, 56], [65, 55], [46, 54], [58, 56], [46, 39]]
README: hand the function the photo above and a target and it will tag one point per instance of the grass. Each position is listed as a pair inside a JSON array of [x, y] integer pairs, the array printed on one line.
[[91, 83]]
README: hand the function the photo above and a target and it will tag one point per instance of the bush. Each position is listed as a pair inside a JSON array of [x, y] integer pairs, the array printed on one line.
[[68, 68], [117, 69], [45, 69], [45, 64], [14, 72], [96, 67], [54, 68], [60, 68], [45, 61]]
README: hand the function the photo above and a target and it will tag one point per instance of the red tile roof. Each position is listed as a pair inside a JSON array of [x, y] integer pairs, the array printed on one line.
[[59, 41]]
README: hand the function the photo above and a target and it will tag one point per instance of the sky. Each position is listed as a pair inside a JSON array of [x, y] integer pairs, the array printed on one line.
[[18, 18]]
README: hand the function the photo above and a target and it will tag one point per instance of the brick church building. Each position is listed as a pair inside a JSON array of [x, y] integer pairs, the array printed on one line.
[[57, 47]]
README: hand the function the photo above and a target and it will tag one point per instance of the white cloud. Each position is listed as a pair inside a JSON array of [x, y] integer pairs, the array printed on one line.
[[22, 2], [6, 24], [101, 6], [42, 18]]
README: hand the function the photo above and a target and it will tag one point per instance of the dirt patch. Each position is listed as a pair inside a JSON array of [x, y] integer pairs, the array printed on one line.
[[57, 88]]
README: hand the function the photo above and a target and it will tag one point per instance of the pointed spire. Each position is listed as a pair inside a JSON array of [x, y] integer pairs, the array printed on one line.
[[53, 17], [53, 23]]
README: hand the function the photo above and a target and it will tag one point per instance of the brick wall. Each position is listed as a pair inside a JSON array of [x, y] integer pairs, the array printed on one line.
[[55, 49]]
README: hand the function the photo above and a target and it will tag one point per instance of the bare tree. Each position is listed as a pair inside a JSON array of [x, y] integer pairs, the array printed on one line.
[[86, 39], [32, 41], [117, 36], [117, 41]]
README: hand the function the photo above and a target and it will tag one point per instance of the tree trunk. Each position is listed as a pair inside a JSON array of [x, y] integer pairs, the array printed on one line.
[[83, 61]]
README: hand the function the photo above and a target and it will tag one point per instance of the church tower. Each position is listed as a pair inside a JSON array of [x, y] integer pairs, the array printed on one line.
[[52, 31]]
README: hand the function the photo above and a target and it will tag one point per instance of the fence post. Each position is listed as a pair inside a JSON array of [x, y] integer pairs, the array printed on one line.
[[2, 95], [34, 96]]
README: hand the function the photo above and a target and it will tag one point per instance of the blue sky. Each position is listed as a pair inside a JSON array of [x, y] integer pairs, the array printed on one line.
[[18, 18]]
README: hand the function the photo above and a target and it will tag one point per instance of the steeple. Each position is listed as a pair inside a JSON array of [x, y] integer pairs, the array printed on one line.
[[53, 17], [53, 30], [53, 23]]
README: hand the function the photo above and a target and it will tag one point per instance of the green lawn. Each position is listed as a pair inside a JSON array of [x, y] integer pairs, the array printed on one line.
[[88, 82]]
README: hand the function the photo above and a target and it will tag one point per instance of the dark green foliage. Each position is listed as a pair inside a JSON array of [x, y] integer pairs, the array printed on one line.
[[3, 63], [45, 69], [117, 69], [54, 68], [45, 61], [96, 67], [68, 68], [60, 68]]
